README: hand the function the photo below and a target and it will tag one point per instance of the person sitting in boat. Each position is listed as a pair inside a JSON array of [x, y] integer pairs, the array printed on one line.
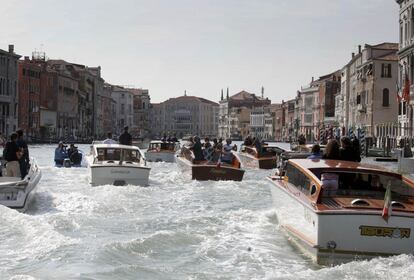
[[346, 152], [248, 141], [12, 154], [332, 150], [109, 139], [356, 149], [227, 155], [174, 138], [125, 138], [60, 154], [208, 150], [235, 147], [164, 137], [316, 152], [198, 149], [71, 149], [75, 157]]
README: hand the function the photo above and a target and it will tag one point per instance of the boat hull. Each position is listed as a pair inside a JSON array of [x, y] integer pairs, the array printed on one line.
[[160, 156], [252, 162], [119, 175], [338, 236], [20, 193], [206, 172]]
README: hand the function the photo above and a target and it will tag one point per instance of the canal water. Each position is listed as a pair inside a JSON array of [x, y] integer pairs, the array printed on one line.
[[174, 229]]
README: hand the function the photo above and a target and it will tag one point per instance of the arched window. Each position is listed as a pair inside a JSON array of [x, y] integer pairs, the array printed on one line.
[[385, 97]]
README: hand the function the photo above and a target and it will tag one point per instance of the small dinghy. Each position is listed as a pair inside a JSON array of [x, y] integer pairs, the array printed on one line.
[[17, 193]]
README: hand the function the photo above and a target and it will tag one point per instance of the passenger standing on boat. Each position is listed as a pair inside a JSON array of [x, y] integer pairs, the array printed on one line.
[[60, 153], [12, 155], [71, 149], [346, 152], [227, 155], [75, 157], [198, 149], [125, 138], [208, 150], [316, 152], [24, 161], [258, 146], [109, 139], [248, 141], [220, 144], [356, 149], [332, 150], [164, 137]]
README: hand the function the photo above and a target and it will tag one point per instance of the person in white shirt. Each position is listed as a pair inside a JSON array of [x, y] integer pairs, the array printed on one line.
[[109, 140]]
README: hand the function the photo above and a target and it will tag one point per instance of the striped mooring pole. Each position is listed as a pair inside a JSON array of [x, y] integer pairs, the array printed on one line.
[[361, 138]]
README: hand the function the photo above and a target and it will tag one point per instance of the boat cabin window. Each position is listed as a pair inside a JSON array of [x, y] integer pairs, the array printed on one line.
[[161, 146], [297, 178], [367, 184], [105, 154]]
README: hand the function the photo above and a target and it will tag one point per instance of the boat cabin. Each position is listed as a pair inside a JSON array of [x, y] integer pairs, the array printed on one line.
[[116, 153], [332, 184]]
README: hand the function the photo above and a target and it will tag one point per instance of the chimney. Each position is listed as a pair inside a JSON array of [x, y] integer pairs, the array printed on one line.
[[222, 95], [262, 92], [359, 49], [313, 79], [11, 48], [353, 55]]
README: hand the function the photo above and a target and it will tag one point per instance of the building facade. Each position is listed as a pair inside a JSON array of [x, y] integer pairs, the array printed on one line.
[[372, 78], [29, 97], [183, 116], [230, 124], [124, 104], [8, 90], [406, 65]]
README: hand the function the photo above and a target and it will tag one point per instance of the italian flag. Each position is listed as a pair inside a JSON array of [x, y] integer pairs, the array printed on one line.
[[386, 212]]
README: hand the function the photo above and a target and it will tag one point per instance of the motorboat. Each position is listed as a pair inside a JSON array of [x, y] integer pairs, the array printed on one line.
[[162, 151], [116, 164], [17, 193], [266, 159], [339, 211], [209, 170]]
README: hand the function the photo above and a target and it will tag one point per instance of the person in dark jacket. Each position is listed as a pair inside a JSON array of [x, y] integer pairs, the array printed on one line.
[[198, 149], [76, 156], [346, 151], [356, 150], [316, 152], [12, 154], [24, 161], [125, 138]]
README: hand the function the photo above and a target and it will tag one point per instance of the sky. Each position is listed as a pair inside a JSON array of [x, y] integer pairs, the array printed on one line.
[[201, 46]]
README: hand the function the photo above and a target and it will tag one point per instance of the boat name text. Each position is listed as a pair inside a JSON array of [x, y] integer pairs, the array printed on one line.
[[385, 232]]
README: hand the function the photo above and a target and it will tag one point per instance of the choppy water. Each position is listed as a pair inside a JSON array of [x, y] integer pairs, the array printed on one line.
[[175, 229]]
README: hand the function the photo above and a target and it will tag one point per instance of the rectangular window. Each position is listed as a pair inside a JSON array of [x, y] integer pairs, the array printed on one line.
[[386, 70], [358, 99]]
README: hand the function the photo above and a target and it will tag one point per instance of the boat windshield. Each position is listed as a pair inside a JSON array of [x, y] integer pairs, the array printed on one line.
[[170, 146], [366, 184], [113, 154]]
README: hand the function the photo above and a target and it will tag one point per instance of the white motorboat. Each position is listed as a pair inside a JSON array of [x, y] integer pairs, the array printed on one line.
[[18, 193], [119, 165], [338, 211], [162, 151]]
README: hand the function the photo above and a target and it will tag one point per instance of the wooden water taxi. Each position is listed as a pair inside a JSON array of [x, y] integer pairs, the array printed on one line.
[[338, 211], [206, 170], [159, 151]]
